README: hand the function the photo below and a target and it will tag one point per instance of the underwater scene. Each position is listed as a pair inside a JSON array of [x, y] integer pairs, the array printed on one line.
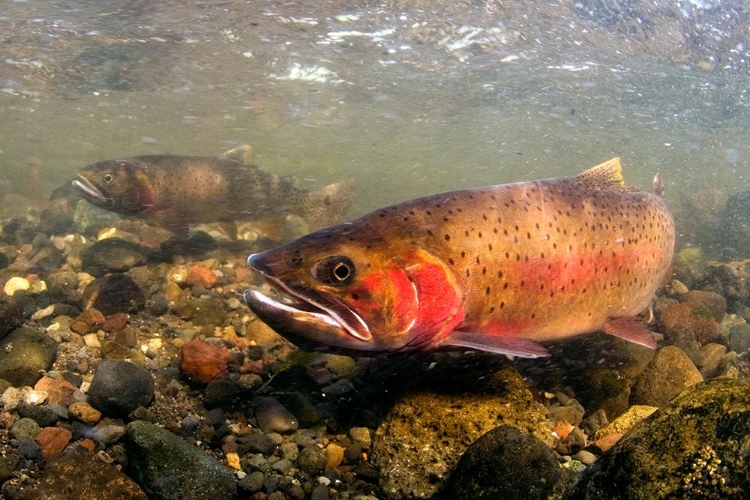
[[374, 250]]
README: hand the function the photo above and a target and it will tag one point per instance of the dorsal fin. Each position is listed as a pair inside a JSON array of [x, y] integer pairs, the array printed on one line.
[[604, 176], [239, 154]]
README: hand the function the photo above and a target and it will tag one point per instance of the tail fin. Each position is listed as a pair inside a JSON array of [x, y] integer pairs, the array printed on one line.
[[327, 206]]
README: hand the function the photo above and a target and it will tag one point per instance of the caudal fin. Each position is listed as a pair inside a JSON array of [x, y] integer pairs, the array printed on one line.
[[327, 206]]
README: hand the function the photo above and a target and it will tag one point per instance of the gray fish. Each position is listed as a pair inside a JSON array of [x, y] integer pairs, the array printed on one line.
[[175, 191]]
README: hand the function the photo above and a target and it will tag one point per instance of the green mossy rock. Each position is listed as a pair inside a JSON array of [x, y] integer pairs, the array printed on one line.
[[696, 447]]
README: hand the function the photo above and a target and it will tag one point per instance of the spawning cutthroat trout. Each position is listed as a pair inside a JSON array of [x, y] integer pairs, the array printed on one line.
[[497, 268], [174, 191]]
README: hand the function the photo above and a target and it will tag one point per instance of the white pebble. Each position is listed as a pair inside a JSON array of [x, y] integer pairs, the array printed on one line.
[[92, 340], [43, 313], [14, 284]]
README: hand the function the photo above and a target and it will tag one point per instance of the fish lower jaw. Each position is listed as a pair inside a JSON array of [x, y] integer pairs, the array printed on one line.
[[89, 191], [258, 297]]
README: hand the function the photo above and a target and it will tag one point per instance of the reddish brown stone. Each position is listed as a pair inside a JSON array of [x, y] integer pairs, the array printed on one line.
[[90, 320], [203, 276], [691, 316], [53, 440], [243, 275], [59, 390], [606, 442], [204, 362], [115, 323]]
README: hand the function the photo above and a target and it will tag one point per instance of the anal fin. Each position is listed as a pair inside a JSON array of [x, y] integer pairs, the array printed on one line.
[[510, 346], [630, 328]]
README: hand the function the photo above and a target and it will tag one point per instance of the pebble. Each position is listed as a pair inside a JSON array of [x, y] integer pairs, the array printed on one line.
[[108, 434], [84, 412], [42, 415], [202, 276], [335, 455], [25, 354], [114, 293], [167, 467], [28, 448], [58, 389], [233, 461], [53, 440], [204, 362], [585, 457], [15, 284], [112, 255], [361, 436], [506, 463], [311, 461], [252, 482], [119, 387], [85, 478], [626, 421], [669, 373], [24, 428], [739, 338], [272, 416]]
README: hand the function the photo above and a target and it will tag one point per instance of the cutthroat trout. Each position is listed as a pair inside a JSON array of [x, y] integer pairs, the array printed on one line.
[[497, 268], [175, 191]]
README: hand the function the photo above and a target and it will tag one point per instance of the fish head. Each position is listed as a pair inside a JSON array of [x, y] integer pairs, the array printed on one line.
[[120, 186], [333, 292]]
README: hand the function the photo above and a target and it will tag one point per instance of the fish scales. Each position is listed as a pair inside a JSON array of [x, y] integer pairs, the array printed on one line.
[[496, 268]]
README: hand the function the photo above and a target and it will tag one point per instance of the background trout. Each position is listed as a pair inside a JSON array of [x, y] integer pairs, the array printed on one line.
[[498, 268], [175, 191]]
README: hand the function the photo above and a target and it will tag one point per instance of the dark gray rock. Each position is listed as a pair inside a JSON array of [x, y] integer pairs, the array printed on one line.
[[311, 461], [695, 447], [168, 468], [24, 428], [112, 255], [272, 416], [252, 482], [24, 355], [114, 293], [220, 392], [506, 463], [8, 464], [301, 407], [120, 387], [62, 285], [42, 415], [29, 449], [739, 338]]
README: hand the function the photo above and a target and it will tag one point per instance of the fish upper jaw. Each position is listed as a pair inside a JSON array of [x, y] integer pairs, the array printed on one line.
[[91, 192]]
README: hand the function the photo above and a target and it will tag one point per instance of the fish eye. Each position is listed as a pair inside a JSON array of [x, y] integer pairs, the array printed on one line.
[[108, 178], [337, 270]]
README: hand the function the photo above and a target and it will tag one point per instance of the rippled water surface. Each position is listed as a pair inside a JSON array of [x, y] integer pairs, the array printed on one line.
[[409, 98]]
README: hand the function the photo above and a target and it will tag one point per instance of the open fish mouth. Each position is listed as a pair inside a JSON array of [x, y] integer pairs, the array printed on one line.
[[309, 315], [91, 192]]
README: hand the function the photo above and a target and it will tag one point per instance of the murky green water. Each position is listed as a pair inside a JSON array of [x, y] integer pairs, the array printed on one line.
[[408, 99]]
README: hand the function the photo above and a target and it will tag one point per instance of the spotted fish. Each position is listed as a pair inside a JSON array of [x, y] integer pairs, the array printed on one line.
[[499, 268], [175, 191]]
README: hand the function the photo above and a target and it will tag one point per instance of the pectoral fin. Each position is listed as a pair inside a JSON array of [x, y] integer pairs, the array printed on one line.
[[510, 346], [630, 328]]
